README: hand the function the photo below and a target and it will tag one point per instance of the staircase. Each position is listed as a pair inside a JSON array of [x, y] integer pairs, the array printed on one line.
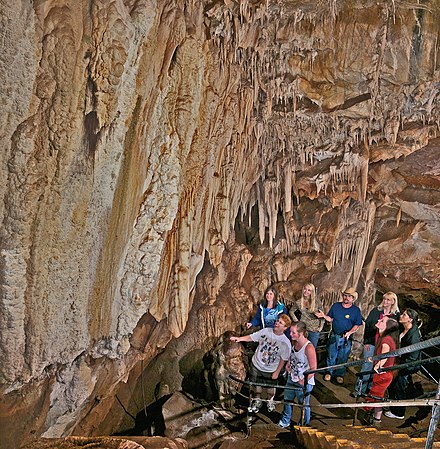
[[355, 437]]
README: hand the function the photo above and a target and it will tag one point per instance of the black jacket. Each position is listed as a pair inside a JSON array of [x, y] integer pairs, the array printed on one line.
[[411, 337], [370, 325]]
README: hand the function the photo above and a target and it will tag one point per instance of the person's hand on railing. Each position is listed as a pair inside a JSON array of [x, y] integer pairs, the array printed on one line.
[[377, 367]]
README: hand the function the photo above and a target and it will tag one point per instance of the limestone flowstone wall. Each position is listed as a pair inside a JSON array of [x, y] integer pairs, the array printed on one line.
[[137, 134]]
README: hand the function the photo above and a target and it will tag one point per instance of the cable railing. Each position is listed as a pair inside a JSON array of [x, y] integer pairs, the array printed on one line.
[[396, 353], [429, 374], [413, 364], [434, 403]]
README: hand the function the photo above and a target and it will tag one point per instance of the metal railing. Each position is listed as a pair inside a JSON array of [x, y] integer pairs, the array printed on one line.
[[434, 403]]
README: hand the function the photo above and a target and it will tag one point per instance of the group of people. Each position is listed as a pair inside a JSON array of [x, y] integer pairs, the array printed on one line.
[[288, 339]]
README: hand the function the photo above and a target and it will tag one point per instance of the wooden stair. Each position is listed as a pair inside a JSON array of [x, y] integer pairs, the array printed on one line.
[[355, 437]]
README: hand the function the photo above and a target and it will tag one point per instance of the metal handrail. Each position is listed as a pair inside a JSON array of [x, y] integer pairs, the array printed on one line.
[[399, 367], [407, 349], [435, 403], [403, 402], [435, 416], [259, 384]]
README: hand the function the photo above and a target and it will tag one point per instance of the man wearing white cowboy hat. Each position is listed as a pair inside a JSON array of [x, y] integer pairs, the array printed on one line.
[[346, 318]]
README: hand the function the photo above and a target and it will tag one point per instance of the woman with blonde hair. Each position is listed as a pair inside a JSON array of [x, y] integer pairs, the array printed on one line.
[[304, 309], [389, 306]]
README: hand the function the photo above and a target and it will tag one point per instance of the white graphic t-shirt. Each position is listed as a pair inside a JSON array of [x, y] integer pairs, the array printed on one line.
[[271, 349]]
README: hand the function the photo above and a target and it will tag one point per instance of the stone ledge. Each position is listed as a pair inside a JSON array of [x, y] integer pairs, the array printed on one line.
[[108, 443]]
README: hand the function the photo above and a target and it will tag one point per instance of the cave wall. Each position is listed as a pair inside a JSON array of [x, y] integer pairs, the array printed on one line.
[[164, 161]]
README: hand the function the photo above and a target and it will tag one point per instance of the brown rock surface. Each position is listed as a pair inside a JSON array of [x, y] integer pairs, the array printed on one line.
[[165, 161], [108, 443]]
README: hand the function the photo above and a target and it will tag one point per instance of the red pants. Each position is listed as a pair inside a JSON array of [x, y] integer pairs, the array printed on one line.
[[380, 383]]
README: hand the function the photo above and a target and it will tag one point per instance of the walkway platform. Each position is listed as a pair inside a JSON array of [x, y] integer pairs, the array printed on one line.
[[334, 429]]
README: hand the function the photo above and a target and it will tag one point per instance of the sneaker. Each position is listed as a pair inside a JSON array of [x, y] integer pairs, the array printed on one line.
[[390, 414], [255, 406], [283, 425], [376, 422], [270, 405], [327, 377], [340, 380]]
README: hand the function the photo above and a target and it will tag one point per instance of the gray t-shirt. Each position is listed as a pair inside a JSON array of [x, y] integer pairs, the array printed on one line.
[[271, 349]]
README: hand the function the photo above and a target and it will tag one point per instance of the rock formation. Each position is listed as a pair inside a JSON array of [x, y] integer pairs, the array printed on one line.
[[164, 161], [108, 443]]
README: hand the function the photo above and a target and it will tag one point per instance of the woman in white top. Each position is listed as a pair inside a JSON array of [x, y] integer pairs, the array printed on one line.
[[302, 358]]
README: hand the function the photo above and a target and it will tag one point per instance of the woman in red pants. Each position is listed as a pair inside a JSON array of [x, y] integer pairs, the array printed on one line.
[[387, 340]]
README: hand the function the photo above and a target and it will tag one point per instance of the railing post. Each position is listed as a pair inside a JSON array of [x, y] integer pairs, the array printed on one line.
[[301, 415], [434, 421], [358, 392]]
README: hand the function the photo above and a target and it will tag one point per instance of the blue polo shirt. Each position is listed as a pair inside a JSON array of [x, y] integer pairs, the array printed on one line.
[[344, 318]]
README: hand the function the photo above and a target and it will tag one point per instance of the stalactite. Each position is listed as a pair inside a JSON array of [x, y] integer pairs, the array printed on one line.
[[287, 138], [261, 215], [353, 236], [328, 296], [288, 187], [398, 217]]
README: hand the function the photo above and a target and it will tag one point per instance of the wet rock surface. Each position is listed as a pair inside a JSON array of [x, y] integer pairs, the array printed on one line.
[[108, 443]]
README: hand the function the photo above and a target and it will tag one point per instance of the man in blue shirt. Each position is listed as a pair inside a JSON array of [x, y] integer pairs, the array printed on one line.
[[346, 319]]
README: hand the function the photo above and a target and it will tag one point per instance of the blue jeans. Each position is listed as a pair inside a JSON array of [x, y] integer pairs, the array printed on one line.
[[367, 379], [290, 395], [313, 338], [338, 350]]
